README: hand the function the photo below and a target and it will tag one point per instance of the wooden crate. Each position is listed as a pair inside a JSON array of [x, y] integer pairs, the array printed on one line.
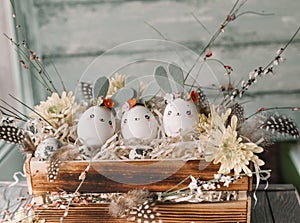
[[67, 180], [231, 211]]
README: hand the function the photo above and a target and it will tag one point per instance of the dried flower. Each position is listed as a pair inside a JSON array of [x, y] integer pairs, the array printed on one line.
[[194, 96], [223, 145], [57, 110], [204, 121], [115, 83], [108, 103], [132, 102]]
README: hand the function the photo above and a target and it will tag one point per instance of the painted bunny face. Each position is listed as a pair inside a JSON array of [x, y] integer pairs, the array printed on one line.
[[96, 125], [179, 116], [138, 122]]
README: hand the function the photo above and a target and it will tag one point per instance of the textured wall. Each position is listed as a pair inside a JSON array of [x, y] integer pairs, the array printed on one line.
[[72, 33]]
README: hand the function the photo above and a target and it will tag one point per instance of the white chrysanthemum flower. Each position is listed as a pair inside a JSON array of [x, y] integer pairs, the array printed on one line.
[[57, 110], [222, 145]]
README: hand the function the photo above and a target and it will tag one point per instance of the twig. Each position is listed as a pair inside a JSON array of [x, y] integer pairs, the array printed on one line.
[[26, 106]]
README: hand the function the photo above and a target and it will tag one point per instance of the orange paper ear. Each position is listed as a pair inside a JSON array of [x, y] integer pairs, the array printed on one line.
[[194, 96], [132, 102], [108, 103]]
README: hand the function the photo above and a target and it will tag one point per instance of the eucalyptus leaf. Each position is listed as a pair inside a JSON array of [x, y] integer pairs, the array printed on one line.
[[133, 83], [177, 74], [161, 77], [122, 95], [150, 91], [101, 87]]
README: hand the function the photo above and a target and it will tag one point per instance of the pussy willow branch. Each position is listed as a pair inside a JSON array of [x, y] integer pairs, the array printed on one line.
[[24, 56], [39, 64], [228, 99], [273, 108], [231, 17], [214, 37]]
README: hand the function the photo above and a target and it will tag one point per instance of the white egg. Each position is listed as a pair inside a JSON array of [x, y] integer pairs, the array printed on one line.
[[179, 116], [138, 122], [45, 149], [96, 125]]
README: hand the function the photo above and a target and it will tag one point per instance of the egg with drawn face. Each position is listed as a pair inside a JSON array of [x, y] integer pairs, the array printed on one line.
[[179, 116], [138, 122], [96, 125]]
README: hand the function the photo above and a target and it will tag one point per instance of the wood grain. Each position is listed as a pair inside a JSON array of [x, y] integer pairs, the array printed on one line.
[[285, 206], [122, 176], [233, 211], [260, 210]]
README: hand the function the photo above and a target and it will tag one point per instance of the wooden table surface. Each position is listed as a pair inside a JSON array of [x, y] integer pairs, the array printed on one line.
[[279, 203]]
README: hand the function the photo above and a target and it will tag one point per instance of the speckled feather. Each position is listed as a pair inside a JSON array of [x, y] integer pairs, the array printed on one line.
[[237, 110], [65, 153], [87, 90], [135, 206], [202, 104], [280, 124], [11, 134]]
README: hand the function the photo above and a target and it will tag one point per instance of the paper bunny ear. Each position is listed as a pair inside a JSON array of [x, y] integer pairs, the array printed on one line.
[[162, 79], [101, 86], [99, 89], [133, 83], [122, 95], [151, 90], [176, 74], [172, 82]]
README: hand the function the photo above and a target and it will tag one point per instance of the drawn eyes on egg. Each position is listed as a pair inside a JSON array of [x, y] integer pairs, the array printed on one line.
[[125, 121], [101, 119], [170, 113], [110, 122], [147, 117], [188, 112], [92, 116]]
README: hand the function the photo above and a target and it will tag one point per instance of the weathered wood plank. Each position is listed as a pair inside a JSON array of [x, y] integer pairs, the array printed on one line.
[[243, 62], [281, 89], [235, 211], [105, 23], [285, 206], [260, 210], [123, 176]]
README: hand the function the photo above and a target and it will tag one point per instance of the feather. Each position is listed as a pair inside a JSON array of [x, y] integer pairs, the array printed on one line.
[[11, 134], [280, 124], [87, 90], [237, 110], [27, 146], [202, 103], [265, 129], [65, 153], [252, 131], [136, 205]]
